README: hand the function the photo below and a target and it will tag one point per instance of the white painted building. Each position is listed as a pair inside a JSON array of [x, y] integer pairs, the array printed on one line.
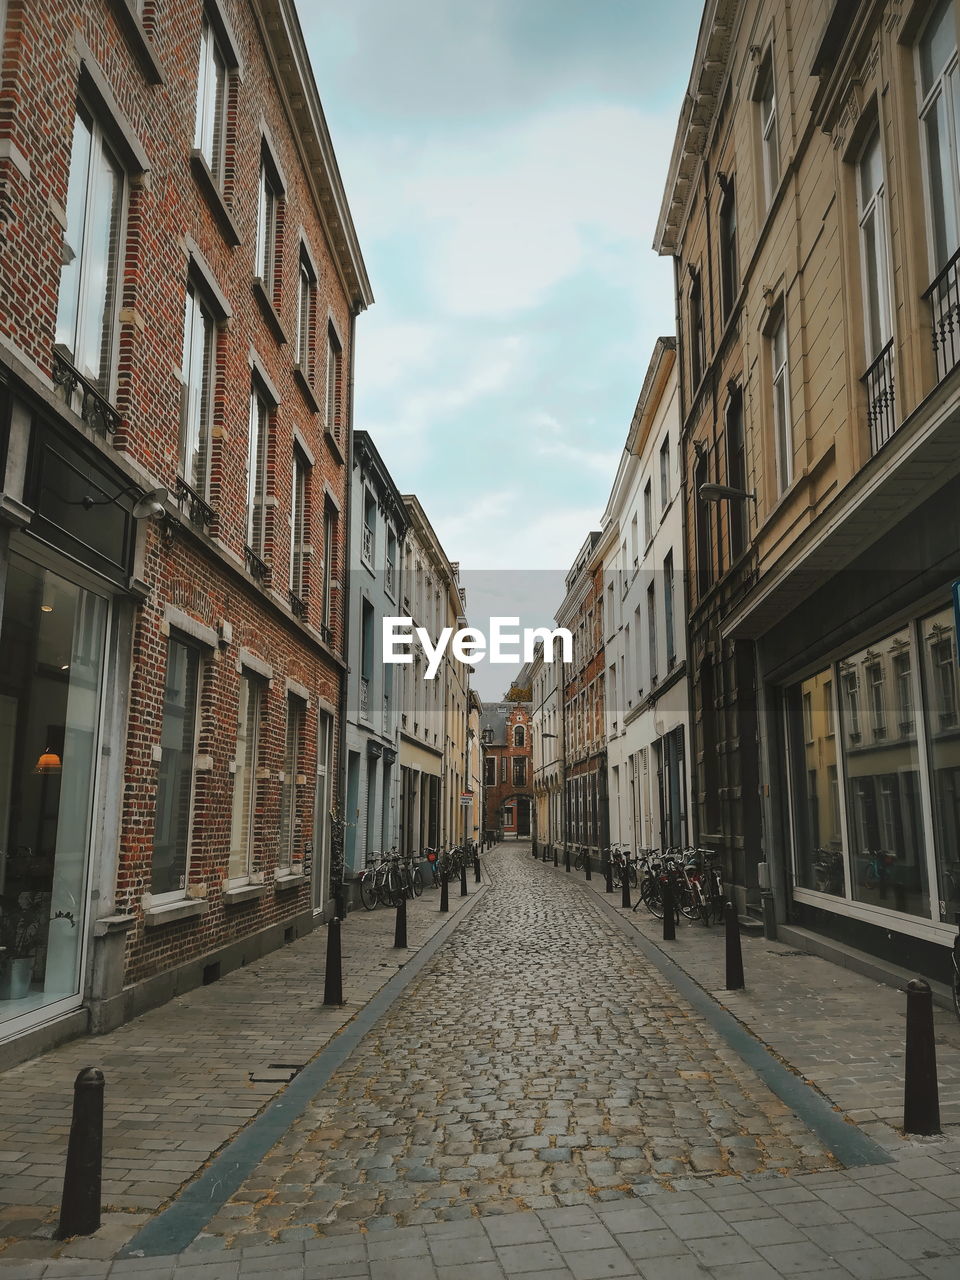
[[642, 549]]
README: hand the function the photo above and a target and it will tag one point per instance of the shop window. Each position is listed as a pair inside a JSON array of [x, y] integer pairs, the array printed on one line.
[[882, 785], [939, 658], [52, 648], [818, 850], [174, 803], [246, 754], [89, 276]]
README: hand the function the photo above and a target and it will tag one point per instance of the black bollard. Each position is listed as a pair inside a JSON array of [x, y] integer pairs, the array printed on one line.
[[566, 857], [340, 903], [444, 893], [734, 952], [533, 848], [608, 873], [586, 863], [921, 1095], [400, 929], [463, 878], [476, 868], [625, 886], [556, 860], [80, 1205], [669, 922], [333, 973]]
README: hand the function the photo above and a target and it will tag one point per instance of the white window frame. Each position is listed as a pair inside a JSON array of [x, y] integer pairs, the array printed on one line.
[[269, 196], [871, 213], [296, 715], [946, 88], [334, 380], [100, 152], [213, 96], [244, 809], [258, 444], [782, 420], [188, 642], [299, 529], [199, 384], [769, 139], [306, 316]]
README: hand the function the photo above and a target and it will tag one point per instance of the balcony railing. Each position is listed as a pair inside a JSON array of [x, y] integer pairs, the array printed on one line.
[[389, 576], [298, 607], [944, 298], [366, 546], [881, 404], [95, 409], [257, 568], [197, 511], [364, 698]]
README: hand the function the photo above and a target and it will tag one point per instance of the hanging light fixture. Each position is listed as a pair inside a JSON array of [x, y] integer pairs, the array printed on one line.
[[49, 762]]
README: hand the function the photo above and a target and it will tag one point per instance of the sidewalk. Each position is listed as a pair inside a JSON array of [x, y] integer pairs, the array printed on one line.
[[840, 1031], [183, 1079]]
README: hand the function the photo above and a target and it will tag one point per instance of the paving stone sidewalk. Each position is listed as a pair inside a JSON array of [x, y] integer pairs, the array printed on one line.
[[184, 1078], [835, 1027]]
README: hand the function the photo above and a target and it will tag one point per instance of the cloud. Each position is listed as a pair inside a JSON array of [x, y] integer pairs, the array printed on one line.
[[552, 442]]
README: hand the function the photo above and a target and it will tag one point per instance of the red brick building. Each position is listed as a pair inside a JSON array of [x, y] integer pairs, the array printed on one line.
[[508, 766], [180, 279]]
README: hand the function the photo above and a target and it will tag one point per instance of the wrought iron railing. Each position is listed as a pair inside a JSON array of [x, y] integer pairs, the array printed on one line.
[[389, 576], [257, 568], [367, 544], [326, 633], [197, 510], [95, 409], [298, 607], [881, 403], [944, 298]]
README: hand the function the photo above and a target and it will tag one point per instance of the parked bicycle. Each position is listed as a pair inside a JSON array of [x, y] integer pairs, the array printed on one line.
[[701, 871], [622, 864]]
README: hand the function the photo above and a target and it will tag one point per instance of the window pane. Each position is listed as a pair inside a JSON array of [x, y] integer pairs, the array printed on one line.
[[197, 368], [882, 772], [175, 777], [818, 841], [943, 210], [69, 300], [288, 798], [939, 666], [937, 44], [98, 271], [244, 780]]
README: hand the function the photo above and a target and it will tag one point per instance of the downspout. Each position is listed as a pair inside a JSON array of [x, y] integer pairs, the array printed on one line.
[[339, 889]]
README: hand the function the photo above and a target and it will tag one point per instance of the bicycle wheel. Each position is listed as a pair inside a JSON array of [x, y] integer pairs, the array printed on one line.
[[368, 891], [687, 900], [651, 897], [394, 891], [634, 878], [417, 882]]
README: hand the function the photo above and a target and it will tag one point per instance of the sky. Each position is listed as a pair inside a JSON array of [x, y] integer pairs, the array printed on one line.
[[504, 161]]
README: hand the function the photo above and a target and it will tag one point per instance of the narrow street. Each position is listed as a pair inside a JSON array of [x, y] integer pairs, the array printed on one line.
[[538, 1061]]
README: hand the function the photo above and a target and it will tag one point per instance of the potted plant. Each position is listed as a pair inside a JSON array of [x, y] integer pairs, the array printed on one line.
[[22, 921]]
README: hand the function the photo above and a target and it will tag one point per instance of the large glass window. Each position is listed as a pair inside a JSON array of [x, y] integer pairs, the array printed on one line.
[[882, 782], [91, 248], [242, 830], [939, 665], [174, 811], [816, 807], [51, 673], [939, 111], [198, 347]]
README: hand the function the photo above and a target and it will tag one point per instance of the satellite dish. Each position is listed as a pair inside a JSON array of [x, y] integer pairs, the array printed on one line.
[[150, 506]]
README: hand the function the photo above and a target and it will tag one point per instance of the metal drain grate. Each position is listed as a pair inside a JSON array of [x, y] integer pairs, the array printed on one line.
[[275, 1073]]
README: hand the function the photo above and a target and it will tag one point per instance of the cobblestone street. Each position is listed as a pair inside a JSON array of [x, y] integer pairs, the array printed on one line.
[[538, 1061]]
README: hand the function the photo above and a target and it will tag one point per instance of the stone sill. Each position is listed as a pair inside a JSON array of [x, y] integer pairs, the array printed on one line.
[[270, 313], [243, 893], [289, 882], [113, 924], [215, 202], [300, 378], [168, 912]]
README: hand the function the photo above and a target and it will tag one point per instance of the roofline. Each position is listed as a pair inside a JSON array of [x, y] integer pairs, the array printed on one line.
[[419, 520], [700, 102], [365, 452], [283, 36]]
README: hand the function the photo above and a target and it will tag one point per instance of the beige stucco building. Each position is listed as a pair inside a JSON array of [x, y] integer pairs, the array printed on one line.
[[813, 211]]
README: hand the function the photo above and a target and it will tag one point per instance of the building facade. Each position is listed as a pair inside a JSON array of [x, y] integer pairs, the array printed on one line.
[[505, 729], [546, 717], [811, 208], [585, 800], [181, 278], [647, 697], [475, 771], [433, 721], [378, 528]]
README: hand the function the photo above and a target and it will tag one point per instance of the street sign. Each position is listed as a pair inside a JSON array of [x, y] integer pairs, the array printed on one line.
[[466, 798]]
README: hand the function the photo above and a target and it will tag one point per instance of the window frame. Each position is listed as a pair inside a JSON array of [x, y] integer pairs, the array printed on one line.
[[333, 397], [299, 522], [306, 331], [203, 428], [945, 86], [255, 687], [765, 96], [873, 210], [728, 248], [211, 119], [296, 718], [258, 450], [780, 388], [191, 646]]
